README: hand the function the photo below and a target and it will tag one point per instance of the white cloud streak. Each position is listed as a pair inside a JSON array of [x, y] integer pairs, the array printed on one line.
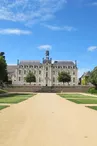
[[29, 11], [92, 48], [94, 4], [59, 28], [45, 47], [14, 32]]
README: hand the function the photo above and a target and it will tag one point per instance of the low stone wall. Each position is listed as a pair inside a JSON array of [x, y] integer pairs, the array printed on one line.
[[54, 89]]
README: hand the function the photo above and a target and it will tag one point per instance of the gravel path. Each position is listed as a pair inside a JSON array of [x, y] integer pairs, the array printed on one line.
[[48, 120]]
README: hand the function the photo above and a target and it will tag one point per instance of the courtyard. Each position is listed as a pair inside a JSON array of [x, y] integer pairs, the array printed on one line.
[[46, 119]]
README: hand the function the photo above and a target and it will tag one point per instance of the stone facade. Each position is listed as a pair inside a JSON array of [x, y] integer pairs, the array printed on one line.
[[46, 72]]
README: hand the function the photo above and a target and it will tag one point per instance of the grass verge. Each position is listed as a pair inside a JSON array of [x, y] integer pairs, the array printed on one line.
[[92, 107], [3, 106], [15, 98], [84, 101], [75, 96]]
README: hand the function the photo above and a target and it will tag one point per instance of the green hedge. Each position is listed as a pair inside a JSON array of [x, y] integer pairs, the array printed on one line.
[[2, 91], [92, 90]]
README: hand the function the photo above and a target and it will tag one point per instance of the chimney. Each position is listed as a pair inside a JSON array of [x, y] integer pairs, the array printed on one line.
[[17, 61], [76, 63]]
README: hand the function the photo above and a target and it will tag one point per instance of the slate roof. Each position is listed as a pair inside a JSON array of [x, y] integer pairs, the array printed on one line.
[[86, 74], [29, 62], [11, 68], [64, 63]]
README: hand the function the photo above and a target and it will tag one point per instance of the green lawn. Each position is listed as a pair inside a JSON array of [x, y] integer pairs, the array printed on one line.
[[15, 98], [84, 101], [75, 96], [92, 107], [3, 106]]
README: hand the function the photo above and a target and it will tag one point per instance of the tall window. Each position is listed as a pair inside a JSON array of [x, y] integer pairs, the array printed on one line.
[[53, 72], [19, 72], [46, 74], [73, 73], [73, 80], [39, 79], [24, 71], [53, 79], [19, 78], [39, 72], [46, 68]]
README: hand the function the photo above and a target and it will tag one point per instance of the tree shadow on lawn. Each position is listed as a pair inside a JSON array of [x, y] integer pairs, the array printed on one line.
[[14, 95]]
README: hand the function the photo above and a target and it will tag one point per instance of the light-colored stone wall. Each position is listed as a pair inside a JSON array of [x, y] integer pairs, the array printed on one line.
[[55, 89], [51, 79]]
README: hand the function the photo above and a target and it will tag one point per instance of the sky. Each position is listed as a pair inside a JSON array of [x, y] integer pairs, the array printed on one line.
[[68, 28]]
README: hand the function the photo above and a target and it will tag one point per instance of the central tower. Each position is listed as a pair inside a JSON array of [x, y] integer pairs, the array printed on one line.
[[47, 59], [47, 63]]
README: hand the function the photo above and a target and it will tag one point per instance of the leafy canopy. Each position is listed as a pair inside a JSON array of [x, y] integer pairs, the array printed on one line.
[[93, 77], [3, 68], [30, 77], [64, 77]]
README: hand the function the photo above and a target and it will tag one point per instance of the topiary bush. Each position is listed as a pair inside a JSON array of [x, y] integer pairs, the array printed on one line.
[[92, 90]]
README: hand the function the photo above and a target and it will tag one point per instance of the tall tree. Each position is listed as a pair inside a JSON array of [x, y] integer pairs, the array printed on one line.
[[30, 77], [64, 77], [93, 77], [3, 68], [2, 54]]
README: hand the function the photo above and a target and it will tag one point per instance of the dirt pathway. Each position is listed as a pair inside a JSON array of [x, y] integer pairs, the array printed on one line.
[[48, 120]]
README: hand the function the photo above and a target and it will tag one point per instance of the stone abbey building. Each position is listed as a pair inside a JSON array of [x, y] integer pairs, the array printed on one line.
[[46, 73]]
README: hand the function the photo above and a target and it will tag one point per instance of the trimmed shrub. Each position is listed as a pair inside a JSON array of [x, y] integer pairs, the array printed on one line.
[[92, 90]]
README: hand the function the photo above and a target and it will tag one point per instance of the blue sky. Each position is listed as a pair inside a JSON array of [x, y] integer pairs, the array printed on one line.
[[68, 28]]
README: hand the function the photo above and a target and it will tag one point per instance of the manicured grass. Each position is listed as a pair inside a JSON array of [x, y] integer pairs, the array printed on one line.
[[84, 101], [3, 106], [92, 107], [75, 96], [15, 98]]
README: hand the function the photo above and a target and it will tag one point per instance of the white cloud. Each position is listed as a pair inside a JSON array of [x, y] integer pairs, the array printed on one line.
[[94, 4], [45, 47], [91, 4], [59, 28], [29, 11], [92, 48], [81, 71], [14, 31]]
